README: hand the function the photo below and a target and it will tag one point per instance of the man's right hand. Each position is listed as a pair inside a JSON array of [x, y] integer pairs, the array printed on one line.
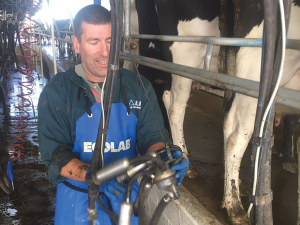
[[113, 190]]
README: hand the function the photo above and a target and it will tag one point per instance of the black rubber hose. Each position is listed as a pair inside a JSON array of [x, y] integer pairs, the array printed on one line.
[[269, 39], [264, 213], [159, 210], [141, 206], [268, 60], [109, 87], [140, 160], [111, 214], [110, 82], [173, 148], [130, 185], [143, 159], [278, 52]]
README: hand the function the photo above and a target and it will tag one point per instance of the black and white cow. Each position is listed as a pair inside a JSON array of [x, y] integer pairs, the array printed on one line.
[[190, 17], [61, 27], [201, 18], [239, 123]]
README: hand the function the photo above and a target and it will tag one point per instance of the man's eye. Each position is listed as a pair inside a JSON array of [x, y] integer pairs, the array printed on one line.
[[93, 43]]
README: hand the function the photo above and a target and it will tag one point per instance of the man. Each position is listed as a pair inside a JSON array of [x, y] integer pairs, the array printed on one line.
[[69, 117]]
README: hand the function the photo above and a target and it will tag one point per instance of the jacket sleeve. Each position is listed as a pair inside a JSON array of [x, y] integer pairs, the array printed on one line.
[[147, 129], [54, 132]]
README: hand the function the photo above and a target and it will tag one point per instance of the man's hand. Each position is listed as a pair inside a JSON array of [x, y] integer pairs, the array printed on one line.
[[113, 190], [181, 167], [75, 170]]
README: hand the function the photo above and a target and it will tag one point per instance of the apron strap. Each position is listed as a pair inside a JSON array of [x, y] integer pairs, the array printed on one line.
[[86, 191], [122, 89], [78, 188], [88, 105]]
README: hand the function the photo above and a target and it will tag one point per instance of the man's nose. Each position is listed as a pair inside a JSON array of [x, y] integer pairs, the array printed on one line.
[[104, 51]]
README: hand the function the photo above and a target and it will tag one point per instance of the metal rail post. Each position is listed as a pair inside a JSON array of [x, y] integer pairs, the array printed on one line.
[[36, 69], [127, 20], [208, 56], [53, 47], [72, 22], [41, 57]]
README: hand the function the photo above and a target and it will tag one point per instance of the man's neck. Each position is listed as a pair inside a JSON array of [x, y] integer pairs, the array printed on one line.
[[92, 77]]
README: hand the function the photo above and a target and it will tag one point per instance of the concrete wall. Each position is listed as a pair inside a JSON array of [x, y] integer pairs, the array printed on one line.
[[184, 211]]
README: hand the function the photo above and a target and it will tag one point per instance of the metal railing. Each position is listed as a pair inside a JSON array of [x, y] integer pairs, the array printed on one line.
[[286, 97]]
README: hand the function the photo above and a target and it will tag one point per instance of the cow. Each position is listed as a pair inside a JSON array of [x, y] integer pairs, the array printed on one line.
[[179, 22], [201, 18], [239, 123], [63, 28]]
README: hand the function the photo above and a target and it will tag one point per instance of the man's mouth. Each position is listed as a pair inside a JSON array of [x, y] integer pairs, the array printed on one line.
[[102, 62]]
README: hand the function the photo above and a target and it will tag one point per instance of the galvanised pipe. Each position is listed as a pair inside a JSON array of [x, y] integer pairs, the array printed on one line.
[[223, 41], [286, 97], [41, 57], [53, 47], [208, 56], [237, 42], [127, 20]]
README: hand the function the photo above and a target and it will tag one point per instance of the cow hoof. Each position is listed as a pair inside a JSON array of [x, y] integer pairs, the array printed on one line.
[[239, 217], [242, 220], [191, 173], [291, 167]]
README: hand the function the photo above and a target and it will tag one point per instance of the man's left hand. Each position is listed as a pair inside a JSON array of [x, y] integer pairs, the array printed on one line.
[[181, 167]]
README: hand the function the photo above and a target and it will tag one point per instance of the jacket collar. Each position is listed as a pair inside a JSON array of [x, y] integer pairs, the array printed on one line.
[[79, 81]]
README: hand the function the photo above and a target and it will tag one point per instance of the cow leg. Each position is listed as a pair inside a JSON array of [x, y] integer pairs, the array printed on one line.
[[175, 101], [289, 163], [238, 128]]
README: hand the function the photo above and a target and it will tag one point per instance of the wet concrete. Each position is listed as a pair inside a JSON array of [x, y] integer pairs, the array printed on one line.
[[33, 201], [204, 138]]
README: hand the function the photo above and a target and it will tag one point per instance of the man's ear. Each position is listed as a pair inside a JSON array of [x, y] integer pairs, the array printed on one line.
[[76, 44]]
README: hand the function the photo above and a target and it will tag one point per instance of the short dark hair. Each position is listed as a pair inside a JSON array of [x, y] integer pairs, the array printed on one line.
[[91, 14]]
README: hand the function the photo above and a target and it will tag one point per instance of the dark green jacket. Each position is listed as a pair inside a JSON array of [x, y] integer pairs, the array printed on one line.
[[62, 103]]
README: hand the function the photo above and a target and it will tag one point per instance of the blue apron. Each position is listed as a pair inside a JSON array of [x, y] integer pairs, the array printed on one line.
[[71, 205]]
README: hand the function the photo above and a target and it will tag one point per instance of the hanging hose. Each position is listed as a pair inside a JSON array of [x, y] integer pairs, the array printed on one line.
[[6, 181], [110, 80], [145, 187], [29, 67], [159, 210], [262, 212]]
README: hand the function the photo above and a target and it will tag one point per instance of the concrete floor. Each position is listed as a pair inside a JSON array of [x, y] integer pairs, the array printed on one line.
[[33, 201], [204, 137]]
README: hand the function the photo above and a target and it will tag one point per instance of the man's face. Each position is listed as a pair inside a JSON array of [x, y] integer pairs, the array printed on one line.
[[94, 49]]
